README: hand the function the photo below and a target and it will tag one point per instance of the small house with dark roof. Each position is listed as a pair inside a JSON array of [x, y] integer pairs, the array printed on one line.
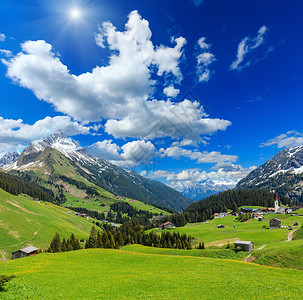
[[244, 245], [25, 252], [275, 223], [166, 225]]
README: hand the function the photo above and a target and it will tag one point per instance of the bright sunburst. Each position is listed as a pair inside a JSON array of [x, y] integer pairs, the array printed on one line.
[[75, 13]]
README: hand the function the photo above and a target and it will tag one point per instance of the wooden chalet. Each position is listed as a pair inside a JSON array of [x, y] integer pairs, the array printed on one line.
[[25, 252], [275, 223], [244, 245], [166, 225]]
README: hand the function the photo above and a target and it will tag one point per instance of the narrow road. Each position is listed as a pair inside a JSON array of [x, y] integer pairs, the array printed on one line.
[[291, 235]]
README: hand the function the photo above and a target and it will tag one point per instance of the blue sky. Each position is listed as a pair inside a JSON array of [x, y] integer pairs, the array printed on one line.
[[180, 91]]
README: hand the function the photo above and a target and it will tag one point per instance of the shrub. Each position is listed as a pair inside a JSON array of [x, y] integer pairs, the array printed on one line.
[[3, 280]]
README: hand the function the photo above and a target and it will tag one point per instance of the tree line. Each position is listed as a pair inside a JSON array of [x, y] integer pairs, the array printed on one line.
[[16, 186], [130, 232]]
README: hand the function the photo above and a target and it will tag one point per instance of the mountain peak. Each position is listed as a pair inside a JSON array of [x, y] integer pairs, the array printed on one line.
[[283, 173], [58, 140], [59, 134]]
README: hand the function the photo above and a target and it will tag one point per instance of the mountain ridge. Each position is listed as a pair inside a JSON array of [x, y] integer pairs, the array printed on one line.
[[283, 173], [110, 177]]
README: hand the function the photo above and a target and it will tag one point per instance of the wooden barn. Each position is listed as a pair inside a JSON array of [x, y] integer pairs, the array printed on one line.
[[25, 252], [244, 245], [275, 223]]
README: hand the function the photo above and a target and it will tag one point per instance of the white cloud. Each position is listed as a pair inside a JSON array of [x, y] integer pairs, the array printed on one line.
[[204, 60], [185, 120], [15, 134], [171, 92], [105, 149], [201, 157], [129, 155], [119, 92], [202, 44], [2, 37], [191, 177], [6, 53], [290, 139], [246, 46]]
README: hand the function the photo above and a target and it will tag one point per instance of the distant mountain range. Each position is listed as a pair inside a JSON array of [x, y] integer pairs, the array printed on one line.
[[60, 155], [204, 189], [282, 174]]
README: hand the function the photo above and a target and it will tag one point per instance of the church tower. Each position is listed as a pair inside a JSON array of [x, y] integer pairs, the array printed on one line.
[[276, 204]]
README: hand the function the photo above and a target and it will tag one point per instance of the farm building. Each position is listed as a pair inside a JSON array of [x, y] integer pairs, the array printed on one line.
[[220, 215], [244, 245], [28, 251], [166, 225], [274, 223]]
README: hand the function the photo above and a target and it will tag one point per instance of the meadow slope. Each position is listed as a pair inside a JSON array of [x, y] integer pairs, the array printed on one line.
[[117, 274], [25, 222]]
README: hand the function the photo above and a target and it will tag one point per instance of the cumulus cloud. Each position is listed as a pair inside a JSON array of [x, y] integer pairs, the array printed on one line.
[[6, 53], [130, 155], [2, 37], [171, 92], [201, 157], [191, 177], [204, 60], [121, 91], [15, 134], [290, 139], [246, 46], [186, 120]]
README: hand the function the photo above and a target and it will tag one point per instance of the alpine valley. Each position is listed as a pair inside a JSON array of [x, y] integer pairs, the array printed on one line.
[[56, 162]]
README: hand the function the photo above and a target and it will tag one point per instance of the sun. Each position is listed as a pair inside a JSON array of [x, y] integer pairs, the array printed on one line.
[[75, 13]]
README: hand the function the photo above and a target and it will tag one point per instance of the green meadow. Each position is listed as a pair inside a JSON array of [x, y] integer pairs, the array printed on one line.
[[25, 222], [282, 255], [119, 274], [103, 202], [250, 230]]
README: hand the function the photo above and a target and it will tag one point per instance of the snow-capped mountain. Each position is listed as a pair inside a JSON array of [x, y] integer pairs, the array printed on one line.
[[203, 189], [42, 157], [8, 159], [283, 174]]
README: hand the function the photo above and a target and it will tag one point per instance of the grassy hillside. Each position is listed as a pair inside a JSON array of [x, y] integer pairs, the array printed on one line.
[[50, 174], [102, 203], [250, 230], [24, 222], [117, 274], [211, 253], [282, 255]]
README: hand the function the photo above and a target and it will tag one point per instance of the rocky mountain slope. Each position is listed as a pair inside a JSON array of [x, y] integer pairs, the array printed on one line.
[[74, 161], [8, 159], [283, 174]]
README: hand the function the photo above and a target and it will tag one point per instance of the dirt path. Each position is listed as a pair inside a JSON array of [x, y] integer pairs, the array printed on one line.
[[247, 257], [291, 235], [262, 247]]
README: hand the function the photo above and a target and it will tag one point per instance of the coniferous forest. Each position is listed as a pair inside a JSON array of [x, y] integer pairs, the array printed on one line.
[[130, 232]]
